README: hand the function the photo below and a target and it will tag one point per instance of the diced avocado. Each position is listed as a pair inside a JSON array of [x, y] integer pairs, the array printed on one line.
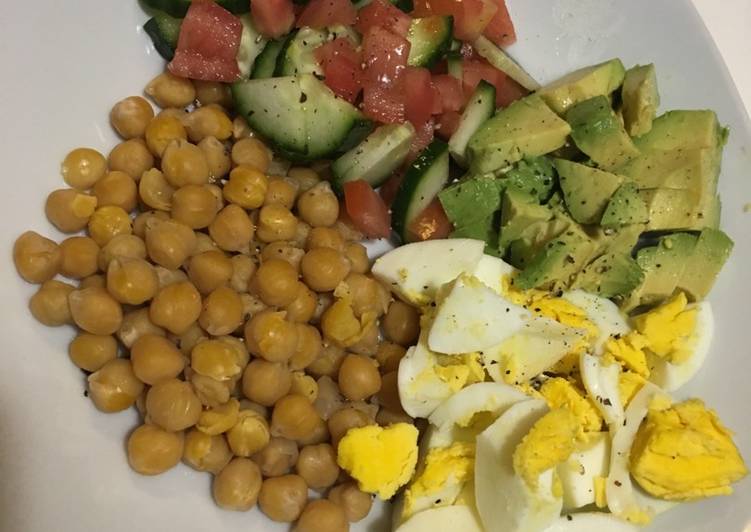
[[471, 200], [626, 207], [712, 213], [640, 99], [586, 190], [521, 251], [485, 229], [519, 211], [685, 169], [684, 130], [526, 128], [609, 275], [532, 175], [620, 240], [583, 84], [709, 255], [672, 208], [558, 261], [597, 132]]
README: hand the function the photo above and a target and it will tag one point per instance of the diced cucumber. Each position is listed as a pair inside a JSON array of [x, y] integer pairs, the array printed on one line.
[[299, 115], [430, 39], [501, 60], [178, 8], [265, 63], [376, 157], [480, 108], [424, 179], [164, 31], [347, 32], [297, 55], [454, 65], [456, 45], [252, 44]]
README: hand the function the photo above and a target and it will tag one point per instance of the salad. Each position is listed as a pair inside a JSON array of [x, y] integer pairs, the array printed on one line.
[[508, 366]]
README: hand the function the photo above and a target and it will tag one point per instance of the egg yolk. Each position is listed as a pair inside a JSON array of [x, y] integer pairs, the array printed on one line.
[[560, 393], [669, 328], [564, 312], [550, 442], [629, 384], [459, 371], [628, 350], [683, 453], [381, 459]]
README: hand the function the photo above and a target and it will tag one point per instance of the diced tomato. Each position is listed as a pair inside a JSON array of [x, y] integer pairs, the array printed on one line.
[[384, 55], [341, 67], [437, 103], [208, 43], [470, 16], [423, 136], [501, 30], [418, 94], [384, 104], [273, 18], [432, 223], [506, 89], [389, 189], [450, 91], [366, 209], [421, 8], [447, 124], [319, 14], [383, 14]]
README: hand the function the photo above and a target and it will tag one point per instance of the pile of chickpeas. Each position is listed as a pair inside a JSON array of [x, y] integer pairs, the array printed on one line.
[[217, 290]]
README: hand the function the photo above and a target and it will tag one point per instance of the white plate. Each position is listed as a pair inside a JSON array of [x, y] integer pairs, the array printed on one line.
[[62, 463]]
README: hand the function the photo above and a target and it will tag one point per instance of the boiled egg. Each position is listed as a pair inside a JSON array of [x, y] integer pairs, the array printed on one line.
[[453, 518], [580, 472], [605, 315], [591, 522], [494, 273], [601, 380]]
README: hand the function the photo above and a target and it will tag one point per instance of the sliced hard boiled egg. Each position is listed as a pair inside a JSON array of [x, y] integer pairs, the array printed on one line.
[[443, 519], [670, 376], [602, 312], [416, 271], [472, 317], [591, 522], [601, 382], [579, 472], [505, 502], [492, 271]]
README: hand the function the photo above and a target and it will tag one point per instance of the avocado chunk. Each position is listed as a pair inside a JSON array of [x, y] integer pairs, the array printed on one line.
[[598, 132], [532, 239], [620, 240], [526, 128], [672, 208], [471, 200], [640, 99], [583, 84], [485, 229], [695, 169], [532, 175], [586, 190], [610, 275], [709, 255], [519, 211], [684, 130], [626, 207]]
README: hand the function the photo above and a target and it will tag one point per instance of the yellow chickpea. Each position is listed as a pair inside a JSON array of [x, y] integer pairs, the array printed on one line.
[[249, 435], [152, 450], [147, 218], [118, 189], [328, 361], [176, 307], [209, 120], [79, 257], [219, 419], [243, 268], [359, 377], [210, 392], [168, 90], [215, 359], [69, 210], [401, 324], [217, 157], [389, 355], [169, 243], [132, 157], [184, 163], [83, 167], [277, 458], [222, 312], [282, 191], [304, 385], [324, 268], [161, 131], [206, 453], [93, 281], [136, 324], [232, 229], [210, 270], [324, 237], [37, 258], [322, 515], [92, 351], [130, 116], [283, 498], [306, 178], [317, 465], [355, 502], [108, 222], [319, 206], [237, 486], [294, 417], [155, 191], [213, 92], [276, 283], [95, 311], [340, 325], [49, 305], [308, 348], [246, 187], [114, 387], [156, 359], [172, 405], [131, 281], [357, 256], [266, 382], [121, 246], [302, 232], [270, 336], [342, 420], [276, 222], [194, 206], [251, 152]]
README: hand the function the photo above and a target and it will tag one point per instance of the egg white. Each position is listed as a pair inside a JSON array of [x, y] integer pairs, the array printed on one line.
[[591, 522], [603, 313], [443, 519], [491, 271], [577, 474], [601, 382]]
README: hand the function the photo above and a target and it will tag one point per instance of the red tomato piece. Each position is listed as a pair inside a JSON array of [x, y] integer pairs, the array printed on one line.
[[447, 124], [432, 223], [418, 94], [208, 43], [470, 16], [501, 30], [423, 137], [384, 104], [366, 209], [319, 14], [383, 14], [450, 92], [384, 55], [389, 189], [273, 18], [341, 67], [506, 89], [421, 8]]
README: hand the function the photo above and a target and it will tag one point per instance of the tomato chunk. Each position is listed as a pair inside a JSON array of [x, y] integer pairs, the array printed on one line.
[[341, 67], [470, 16], [319, 14], [389, 189], [506, 89], [384, 55], [383, 103], [366, 209], [450, 92], [273, 18], [419, 95], [432, 223], [448, 122], [501, 30], [208, 43], [383, 14], [423, 136]]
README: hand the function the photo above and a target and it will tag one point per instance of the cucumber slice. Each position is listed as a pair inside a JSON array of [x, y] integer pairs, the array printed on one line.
[[454, 65], [164, 31], [297, 55], [430, 39], [423, 181], [252, 44], [501, 60], [178, 8], [299, 115], [375, 158], [341, 31], [265, 63], [480, 108]]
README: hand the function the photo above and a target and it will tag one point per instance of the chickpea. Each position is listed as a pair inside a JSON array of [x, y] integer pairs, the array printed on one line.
[[322, 515], [283, 498], [237, 486], [323, 269], [344, 419], [95, 311], [219, 419], [130, 116], [241, 353], [243, 269], [359, 377], [172, 405], [270, 336], [176, 307], [155, 191], [217, 157], [69, 210], [318, 205], [107, 223], [276, 283], [355, 502], [302, 308], [320, 434], [184, 163], [282, 191], [213, 92], [358, 257], [83, 167], [277, 458], [302, 232], [232, 229], [304, 385], [156, 359], [210, 392], [136, 324], [206, 453], [118, 189], [167, 277], [132, 157], [328, 362], [261, 410], [249, 435], [386, 417], [324, 237], [131, 281], [401, 324], [251, 152], [348, 231], [93, 281], [121, 246], [210, 270], [206, 121], [186, 341], [222, 312], [169, 243], [143, 219], [340, 325], [266, 382], [92, 351], [294, 418], [114, 387], [215, 359], [240, 129], [388, 396], [168, 90], [246, 187], [37, 259], [152, 451], [275, 222], [49, 305], [323, 302], [180, 113], [306, 178], [389, 355], [317, 465], [161, 131], [203, 244], [194, 206], [309, 347]]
